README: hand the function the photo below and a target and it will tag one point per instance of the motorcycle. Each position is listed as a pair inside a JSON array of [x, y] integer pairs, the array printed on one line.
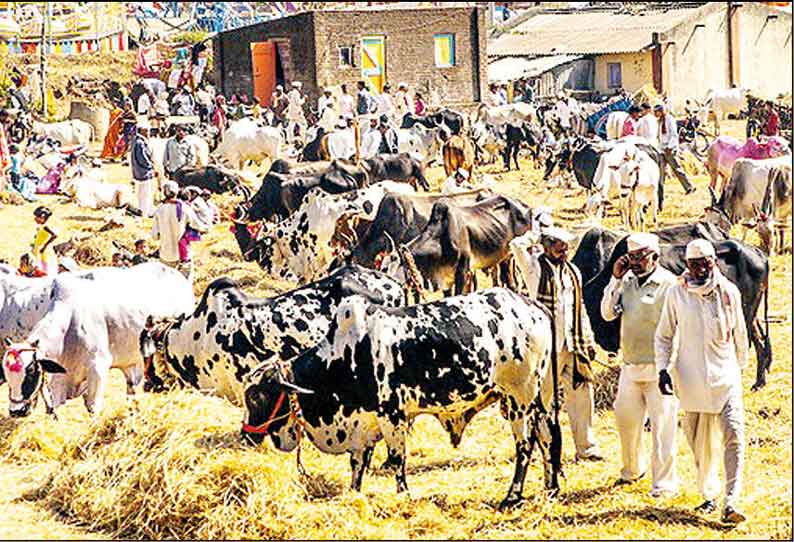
[[690, 132]]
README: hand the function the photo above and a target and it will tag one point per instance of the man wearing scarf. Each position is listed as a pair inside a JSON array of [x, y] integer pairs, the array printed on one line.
[[705, 310], [637, 292], [554, 282]]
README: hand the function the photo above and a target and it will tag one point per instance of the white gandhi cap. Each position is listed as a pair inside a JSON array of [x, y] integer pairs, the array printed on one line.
[[699, 248], [641, 241], [560, 234]]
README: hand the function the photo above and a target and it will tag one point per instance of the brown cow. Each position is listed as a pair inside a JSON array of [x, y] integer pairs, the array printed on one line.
[[458, 153]]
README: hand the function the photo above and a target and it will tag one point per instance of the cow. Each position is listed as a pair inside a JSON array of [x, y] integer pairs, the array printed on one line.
[[380, 368], [515, 136], [311, 151], [400, 218], [485, 139], [216, 345], [395, 167], [420, 142], [299, 248], [216, 179], [451, 120], [246, 140], [338, 145], [743, 195], [615, 121], [721, 102], [515, 114], [775, 213], [88, 190], [457, 241], [747, 267], [458, 153], [91, 324], [723, 152], [639, 191], [67, 132]]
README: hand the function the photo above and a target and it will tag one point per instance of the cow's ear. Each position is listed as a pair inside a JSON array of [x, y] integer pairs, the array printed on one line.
[[50, 366], [348, 287], [289, 387]]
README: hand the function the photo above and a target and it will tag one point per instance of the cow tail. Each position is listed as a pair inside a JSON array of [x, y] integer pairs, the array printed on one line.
[[555, 451], [767, 339]]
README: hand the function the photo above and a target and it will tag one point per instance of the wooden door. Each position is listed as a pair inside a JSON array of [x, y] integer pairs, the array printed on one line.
[[263, 64], [373, 61]]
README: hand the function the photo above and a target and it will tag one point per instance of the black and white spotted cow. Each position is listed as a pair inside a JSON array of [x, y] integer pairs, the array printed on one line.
[[229, 332], [299, 248], [379, 368]]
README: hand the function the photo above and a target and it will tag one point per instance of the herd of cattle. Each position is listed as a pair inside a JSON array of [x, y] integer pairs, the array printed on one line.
[[357, 351]]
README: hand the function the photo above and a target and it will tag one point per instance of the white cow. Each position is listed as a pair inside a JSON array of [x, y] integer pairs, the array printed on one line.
[[68, 132], [90, 190], [606, 180], [299, 248], [341, 144], [247, 140], [515, 114], [92, 322], [615, 121], [639, 189], [420, 142], [722, 102], [775, 213]]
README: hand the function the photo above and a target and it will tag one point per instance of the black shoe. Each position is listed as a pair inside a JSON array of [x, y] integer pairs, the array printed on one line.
[[731, 515], [690, 190], [706, 507]]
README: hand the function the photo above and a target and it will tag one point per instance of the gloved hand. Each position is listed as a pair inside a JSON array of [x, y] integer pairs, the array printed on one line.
[[665, 383]]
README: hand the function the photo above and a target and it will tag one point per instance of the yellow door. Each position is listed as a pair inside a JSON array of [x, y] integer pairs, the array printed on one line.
[[373, 61]]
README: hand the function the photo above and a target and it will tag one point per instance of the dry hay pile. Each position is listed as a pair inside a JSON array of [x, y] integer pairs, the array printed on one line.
[[11, 198], [605, 387]]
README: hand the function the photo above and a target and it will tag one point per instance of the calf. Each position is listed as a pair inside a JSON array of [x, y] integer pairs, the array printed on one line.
[[396, 167], [639, 182], [379, 368], [457, 241], [458, 152], [216, 179]]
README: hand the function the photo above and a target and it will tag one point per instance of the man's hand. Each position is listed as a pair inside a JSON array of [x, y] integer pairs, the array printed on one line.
[[591, 353], [621, 267], [665, 383]]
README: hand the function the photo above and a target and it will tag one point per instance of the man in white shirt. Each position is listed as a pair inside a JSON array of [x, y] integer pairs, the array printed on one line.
[[171, 219], [295, 116], [648, 126], [563, 112], [457, 182], [347, 104], [636, 292], [386, 102], [325, 101], [668, 141], [575, 110], [370, 141], [705, 310], [557, 284], [145, 102], [401, 101], [179, 153]]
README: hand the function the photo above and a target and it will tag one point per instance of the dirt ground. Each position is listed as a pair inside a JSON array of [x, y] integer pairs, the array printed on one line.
[[454, 492]]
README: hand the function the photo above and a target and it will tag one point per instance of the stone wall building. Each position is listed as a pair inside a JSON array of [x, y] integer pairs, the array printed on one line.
[[441, 49]]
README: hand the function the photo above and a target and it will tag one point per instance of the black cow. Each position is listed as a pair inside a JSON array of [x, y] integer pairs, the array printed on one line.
[[213, 178], [400, 217], [515, 136], [395, 167], [747, 267], [445, 117], [311, 152], [458, 241]]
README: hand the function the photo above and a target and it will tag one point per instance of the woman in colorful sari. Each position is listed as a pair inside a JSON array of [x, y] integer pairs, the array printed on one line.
[[112, 137], [219, 120]]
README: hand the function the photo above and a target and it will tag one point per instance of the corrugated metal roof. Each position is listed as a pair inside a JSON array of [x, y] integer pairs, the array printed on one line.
[[586, 32], [512, 68]]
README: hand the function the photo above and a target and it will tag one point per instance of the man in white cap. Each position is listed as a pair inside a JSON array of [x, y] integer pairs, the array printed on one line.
[[143, 172], [347, 105], [636, 292], [563, 112], [386, 102], [401, 103], [371, 139], [325, 101], [171, 219], [295, 116], [557, 284], [705, 310], [457, 182]]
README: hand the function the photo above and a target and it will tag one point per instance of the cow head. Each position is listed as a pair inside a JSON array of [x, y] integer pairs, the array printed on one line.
[[715, 214], [271, 407], [151, 342], [24, 370]]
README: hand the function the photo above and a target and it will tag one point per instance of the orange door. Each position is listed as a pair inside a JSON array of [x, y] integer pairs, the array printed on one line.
[[263, 62]]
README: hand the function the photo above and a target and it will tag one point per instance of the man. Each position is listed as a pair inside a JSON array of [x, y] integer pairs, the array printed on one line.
[[143, 171], [575, 111], [668, 141], [554, 282], [365, 103], [457, 182], [179, 153], [390, 143], [636, 292], [184, 105], [401, 102], [648, 126], [502, 93], [705, 310], [346, 104], [325, 101], [386, 102], [529, 92], [772, 126], [563, 112], [630, 124], [145, 103], [204, 99], [171, 220], [295, 116], [279, 103], [371, 140]]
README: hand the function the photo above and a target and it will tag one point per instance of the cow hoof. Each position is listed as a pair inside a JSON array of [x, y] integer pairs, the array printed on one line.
[[509, 503], [758, 385]]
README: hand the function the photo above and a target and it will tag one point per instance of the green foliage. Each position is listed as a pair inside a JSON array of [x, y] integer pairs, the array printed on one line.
[[191, 37]]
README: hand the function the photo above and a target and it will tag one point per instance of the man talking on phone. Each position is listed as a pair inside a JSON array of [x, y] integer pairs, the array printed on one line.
[[637, 292]]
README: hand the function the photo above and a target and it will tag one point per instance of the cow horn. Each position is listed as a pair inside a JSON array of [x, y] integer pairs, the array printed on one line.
[[391, 242], [289, 387], [713, 197]]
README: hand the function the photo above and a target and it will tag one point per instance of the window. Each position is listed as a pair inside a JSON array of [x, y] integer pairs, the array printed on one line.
[[444, 46], [345, 56], [614, 76]]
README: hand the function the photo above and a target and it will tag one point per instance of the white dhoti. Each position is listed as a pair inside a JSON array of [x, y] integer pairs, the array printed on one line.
[[579, 406], [145, 193], [638, 395]]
